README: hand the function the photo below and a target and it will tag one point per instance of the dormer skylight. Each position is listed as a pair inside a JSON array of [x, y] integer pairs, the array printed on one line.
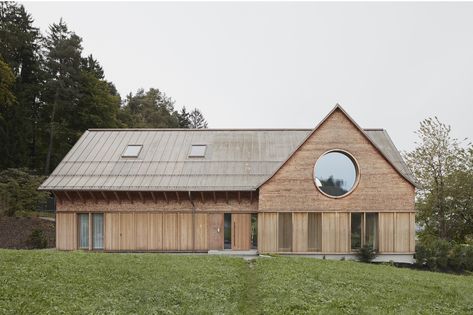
[[132, 151], [198, 150]]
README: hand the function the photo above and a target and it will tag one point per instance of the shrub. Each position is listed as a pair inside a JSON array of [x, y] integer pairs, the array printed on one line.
[[366, 254], [441, 255], [37, 239], [19, 191]]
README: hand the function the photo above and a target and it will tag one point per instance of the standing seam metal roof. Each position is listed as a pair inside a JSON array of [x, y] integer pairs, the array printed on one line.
[[235, 159]]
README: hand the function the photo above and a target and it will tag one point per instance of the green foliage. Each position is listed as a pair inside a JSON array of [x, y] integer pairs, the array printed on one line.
[[59, 93], [442, 255], [63, 282], [366, 253], [37, 239], [444, 169], [18, 191], [197, 120]]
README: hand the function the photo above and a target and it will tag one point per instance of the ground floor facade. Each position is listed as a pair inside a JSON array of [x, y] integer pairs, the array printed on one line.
[[324, 234]]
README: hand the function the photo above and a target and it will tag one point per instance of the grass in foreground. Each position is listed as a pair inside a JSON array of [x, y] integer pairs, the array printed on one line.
[[60, 282]]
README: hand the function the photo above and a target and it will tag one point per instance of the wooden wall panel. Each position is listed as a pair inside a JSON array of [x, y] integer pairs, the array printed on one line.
[[155, 231], [186, 231], [127, 231], [66, 231], [300, 235], [241, 231], [201, 234], [386, 232], [170, 232], [112, 231], [268, 232], [343, 234], [402, 228], [141, 230], [329, 232], [335, 232], [412, 232], [215, 231]]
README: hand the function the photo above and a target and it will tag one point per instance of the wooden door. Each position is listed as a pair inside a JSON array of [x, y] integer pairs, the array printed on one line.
[[215, 231], [241, 231], [127, 231]]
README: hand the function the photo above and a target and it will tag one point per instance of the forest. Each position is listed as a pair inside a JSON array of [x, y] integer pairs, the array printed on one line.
[[50, 93]]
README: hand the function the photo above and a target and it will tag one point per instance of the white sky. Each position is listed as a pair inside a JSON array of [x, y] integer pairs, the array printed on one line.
[[261, 65]]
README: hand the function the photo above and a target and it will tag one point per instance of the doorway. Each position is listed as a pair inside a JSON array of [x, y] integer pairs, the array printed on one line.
[[227, 231]]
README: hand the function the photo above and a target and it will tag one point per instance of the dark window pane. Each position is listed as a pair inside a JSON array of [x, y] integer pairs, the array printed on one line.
[[315, 232], [227, 231], [335, 174], [356, 222], [285, 232], [254, 230], [371, 232]]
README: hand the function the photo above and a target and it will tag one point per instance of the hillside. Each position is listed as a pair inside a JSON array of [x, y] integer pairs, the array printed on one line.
[[74, 282]]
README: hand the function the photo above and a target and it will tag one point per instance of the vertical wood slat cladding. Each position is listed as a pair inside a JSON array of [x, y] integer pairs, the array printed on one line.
[[141, 230], [215, 231], [201, 232], [112, 231], [170, 231], [335, 232], [268, 232], [127, 231], [300, 221], [397, 232], [155, 236], [186, 238], [66, 231], [241, 230], [381, 187]]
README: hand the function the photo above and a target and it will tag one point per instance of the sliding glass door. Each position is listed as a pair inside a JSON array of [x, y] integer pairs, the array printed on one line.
[[90, 238]]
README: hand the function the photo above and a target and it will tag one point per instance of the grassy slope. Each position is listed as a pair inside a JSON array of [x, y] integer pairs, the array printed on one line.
[[49, 281]]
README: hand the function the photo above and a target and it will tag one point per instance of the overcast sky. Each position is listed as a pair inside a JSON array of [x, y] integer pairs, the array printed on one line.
[[287, 64]]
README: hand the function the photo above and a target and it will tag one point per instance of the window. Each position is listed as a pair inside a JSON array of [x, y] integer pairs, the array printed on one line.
[[315, 232], [198, 150], [132, 150], [364, 230], [285, 232], [335, 174], [254, 230], [97, 230], [84, 231]]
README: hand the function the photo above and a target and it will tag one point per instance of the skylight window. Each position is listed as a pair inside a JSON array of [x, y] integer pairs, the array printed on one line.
[[132, 150], [198, 150]]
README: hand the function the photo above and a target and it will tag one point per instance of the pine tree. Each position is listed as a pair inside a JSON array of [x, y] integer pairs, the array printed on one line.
[[184, 118], [197, 120]]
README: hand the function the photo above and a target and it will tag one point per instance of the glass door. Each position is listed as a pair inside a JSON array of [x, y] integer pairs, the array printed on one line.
[[97, 231], [84, 231], [227, 231]]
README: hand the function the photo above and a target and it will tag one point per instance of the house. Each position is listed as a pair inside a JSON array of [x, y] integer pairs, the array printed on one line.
[[324, 192]]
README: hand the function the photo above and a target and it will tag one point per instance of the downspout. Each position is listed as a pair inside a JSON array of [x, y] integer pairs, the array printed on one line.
[[193, 221]]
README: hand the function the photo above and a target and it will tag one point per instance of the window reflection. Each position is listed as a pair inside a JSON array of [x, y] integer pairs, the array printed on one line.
[[335, 173]]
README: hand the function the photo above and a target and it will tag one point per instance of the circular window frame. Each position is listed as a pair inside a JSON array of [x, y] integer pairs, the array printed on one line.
[[357, 170]]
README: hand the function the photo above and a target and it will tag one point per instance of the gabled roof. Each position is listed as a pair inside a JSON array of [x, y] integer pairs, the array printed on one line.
[[235, 159], [379, 138]]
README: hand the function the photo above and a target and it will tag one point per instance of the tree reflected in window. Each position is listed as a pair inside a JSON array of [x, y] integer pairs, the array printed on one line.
[[335, 173]]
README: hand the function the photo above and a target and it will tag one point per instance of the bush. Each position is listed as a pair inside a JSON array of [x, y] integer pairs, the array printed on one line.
[[19, 191], [441, 255], [37, 239], [366, 254]]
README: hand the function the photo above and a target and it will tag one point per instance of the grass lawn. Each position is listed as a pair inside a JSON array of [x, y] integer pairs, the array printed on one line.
[[59, 282]]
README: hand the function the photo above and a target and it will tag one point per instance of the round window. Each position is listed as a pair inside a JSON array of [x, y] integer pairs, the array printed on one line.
[[335, 173]]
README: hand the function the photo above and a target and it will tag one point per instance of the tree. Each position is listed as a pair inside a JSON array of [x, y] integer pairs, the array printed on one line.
[[436, 162], [7, 79], [61, 93], [20, 49], [197, 120], [184, 118]]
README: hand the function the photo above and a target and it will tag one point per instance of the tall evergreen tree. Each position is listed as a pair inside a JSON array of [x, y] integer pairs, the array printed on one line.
[[20, 49], [62, 91], [184, 118]]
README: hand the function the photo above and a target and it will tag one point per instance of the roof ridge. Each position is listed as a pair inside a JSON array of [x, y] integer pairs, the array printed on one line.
[[206, 129]]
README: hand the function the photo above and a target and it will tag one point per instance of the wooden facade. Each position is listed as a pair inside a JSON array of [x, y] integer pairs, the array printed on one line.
[[293, 216]]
